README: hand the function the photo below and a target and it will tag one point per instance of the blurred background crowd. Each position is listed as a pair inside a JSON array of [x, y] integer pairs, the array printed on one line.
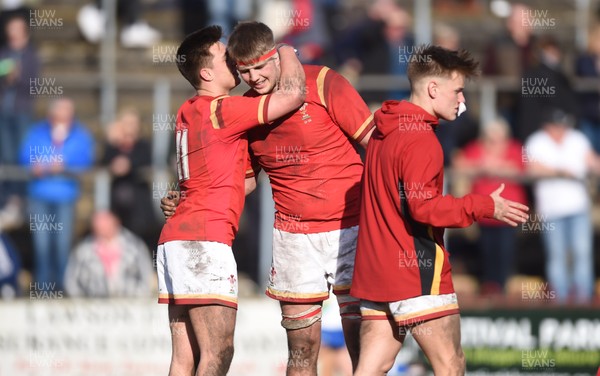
[[88, 100]]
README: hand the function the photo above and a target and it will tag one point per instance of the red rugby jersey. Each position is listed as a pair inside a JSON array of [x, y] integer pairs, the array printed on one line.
[[400, 251], [212, 155], [313, 167]]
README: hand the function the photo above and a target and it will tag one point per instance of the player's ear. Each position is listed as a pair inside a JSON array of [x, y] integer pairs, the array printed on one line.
[[432, 89], [206, 74]]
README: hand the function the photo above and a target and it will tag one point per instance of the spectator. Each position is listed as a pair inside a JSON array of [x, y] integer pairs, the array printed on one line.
[[588, 65], [561, 157], [492, 160], [515, 44], [308, 30], [9, 10], [10, 266], [10, 262], [19, 63], [134, 33], [544, 86], [111, 262], [56, 150], [380, 44], [126, 155], [509, 55]]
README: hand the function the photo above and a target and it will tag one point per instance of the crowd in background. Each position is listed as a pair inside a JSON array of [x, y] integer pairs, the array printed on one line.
[[541, 146]]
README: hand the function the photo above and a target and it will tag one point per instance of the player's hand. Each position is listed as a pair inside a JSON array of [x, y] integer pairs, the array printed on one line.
[[169, 203], [507, 211]]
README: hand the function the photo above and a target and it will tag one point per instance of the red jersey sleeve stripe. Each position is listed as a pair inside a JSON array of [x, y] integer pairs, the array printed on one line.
[[364, 129], [263, 109], [321, 85]]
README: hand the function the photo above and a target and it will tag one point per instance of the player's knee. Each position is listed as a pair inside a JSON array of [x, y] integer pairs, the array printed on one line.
[[225, 357], [460, 363], [382, 367], [455, 365], [227, 353], [303, 352], [217, 361], [303, 348]]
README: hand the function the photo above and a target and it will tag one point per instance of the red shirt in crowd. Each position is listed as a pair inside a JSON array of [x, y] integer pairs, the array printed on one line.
[[513, 190]]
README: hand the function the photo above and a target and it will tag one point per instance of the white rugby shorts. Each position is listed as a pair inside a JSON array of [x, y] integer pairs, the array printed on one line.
[[196, 273], [304, 266], [411, 311]]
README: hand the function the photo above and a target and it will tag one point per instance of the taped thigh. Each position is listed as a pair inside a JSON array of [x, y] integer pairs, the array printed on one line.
[[303, 319], [349, 307]]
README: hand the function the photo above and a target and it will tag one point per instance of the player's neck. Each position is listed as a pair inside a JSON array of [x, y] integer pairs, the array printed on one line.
[[212, 91], [424, 103]]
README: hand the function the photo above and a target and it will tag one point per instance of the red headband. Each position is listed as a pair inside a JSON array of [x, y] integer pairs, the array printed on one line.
[[257, 60]]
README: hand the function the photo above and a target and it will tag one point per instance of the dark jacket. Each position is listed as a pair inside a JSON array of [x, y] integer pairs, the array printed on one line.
[[30, 68]]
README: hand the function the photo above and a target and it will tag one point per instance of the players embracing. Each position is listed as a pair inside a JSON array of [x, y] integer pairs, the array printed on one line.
[[197, 273], [315, 171]]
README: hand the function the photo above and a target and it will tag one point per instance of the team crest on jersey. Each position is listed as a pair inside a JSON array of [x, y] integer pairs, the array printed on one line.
[[305, 116], [272, 276], [232, 281]]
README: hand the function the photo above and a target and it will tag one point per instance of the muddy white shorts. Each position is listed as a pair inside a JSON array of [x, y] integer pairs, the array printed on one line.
[[411, 311], [196, 272], [304, 266]]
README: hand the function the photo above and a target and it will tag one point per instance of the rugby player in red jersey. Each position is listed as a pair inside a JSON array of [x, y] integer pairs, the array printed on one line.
[[197, 274], [402, 270], [315, 172]]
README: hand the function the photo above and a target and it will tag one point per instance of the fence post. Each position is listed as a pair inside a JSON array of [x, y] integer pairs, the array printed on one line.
[[108, 55], [160, 144]]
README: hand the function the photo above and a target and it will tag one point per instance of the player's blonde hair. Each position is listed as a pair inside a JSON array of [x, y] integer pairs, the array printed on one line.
[[249, 41]]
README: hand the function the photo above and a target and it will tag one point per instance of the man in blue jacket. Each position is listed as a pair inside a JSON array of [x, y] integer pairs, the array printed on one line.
[[56, 150]]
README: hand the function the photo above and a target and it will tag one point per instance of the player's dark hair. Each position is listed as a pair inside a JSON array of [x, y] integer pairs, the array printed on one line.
[[438, 61], [193, 54], [249, 41]]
